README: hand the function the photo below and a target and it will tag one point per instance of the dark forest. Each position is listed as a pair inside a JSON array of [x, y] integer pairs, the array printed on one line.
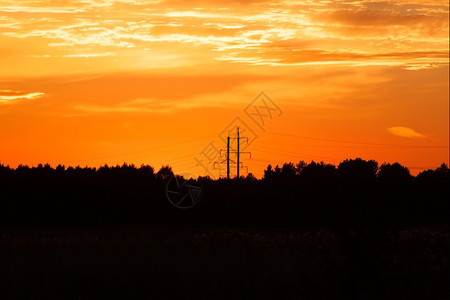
[[354, 192]]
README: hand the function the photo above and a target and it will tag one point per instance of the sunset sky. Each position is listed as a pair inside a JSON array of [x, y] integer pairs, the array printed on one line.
[[91, 82]]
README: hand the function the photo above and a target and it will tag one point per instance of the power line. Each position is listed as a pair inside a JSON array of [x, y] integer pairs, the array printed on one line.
[[142, 150], [284, 152], [331, 146], [354, 142], [178, 160]]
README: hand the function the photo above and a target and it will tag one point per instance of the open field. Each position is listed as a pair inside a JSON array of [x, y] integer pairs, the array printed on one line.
[[228, 263]]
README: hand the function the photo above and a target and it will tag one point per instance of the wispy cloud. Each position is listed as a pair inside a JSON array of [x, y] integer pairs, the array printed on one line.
[[33, 9], [10, 96], [146, 105], [85, 55], [405, 132], [285, 33]]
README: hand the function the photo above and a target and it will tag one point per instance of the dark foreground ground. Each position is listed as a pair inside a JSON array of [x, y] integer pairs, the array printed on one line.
[[237, 263]]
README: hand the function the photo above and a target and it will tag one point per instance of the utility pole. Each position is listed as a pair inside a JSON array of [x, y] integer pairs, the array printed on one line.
[[238, 166], [228, 157], [237, 152]]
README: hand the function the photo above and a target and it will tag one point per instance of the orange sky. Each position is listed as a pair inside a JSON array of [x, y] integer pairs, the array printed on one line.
[[90, 82]]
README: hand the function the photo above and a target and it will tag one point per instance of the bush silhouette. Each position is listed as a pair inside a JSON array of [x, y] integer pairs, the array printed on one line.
[[358, 170], [394, 173]]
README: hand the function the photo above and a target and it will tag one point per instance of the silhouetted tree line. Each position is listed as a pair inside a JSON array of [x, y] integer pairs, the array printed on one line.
[[354, 192]]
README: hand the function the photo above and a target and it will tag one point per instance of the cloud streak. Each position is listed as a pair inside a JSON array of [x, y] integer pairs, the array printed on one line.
[[9, 96], [405, 132]]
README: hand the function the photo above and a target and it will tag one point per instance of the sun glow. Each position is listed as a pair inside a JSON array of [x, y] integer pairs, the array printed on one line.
[[94, 82]]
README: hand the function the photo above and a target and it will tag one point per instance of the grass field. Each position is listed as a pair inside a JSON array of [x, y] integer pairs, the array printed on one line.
[[225, 263]]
